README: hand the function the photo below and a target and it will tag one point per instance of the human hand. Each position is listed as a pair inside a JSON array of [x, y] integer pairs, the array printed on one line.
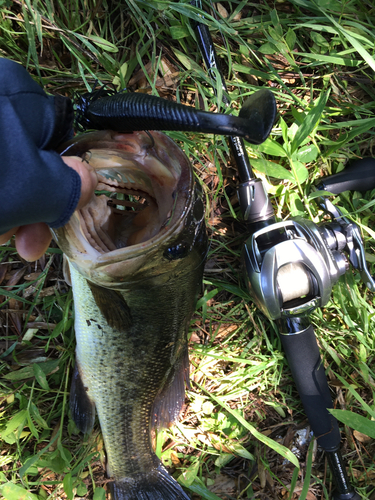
[[33, 240]]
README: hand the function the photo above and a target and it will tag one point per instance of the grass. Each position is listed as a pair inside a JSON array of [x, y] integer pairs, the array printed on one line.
[[242, 410]]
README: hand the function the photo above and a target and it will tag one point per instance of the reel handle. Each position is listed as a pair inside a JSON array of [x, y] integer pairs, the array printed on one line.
[[358, 176]]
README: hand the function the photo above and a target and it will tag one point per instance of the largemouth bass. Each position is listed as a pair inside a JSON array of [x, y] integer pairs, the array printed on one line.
[[136, 254]]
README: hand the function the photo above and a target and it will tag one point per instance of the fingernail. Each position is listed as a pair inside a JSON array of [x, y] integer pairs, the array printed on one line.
[[93, 174], [94, 177]]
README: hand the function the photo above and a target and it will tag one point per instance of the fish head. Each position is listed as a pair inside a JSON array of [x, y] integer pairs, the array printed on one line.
[[146, 216]]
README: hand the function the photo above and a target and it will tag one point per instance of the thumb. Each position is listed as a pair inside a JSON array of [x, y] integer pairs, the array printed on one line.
[[89, 179]]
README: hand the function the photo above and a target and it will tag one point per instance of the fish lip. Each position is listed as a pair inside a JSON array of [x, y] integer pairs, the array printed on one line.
[[111, 266]]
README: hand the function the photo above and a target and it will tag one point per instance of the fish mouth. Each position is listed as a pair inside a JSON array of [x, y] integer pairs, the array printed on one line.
[[134, 202], [143, 193]]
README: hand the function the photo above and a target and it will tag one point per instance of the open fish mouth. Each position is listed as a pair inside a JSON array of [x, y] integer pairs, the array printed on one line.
[[143, 194], [135, 203]]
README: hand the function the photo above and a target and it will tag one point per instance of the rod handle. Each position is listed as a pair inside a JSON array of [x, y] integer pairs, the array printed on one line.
[[359, 176], [307, 368]]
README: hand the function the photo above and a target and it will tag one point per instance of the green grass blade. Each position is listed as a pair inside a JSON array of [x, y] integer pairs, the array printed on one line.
[[355, 421], [310, 121]]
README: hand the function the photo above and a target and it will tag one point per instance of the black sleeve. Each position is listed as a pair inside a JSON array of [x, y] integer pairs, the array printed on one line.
[[35, 184]]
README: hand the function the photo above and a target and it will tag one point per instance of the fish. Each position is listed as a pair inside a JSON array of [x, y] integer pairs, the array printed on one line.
[[135, 255]]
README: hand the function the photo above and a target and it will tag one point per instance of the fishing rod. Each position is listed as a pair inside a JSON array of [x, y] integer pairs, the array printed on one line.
[[291, 267]]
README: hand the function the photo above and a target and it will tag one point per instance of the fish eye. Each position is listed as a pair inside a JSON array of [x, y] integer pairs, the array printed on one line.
[[178, 251]]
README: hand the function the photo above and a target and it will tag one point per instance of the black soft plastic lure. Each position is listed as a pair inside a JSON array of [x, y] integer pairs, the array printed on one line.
[[132, 111]]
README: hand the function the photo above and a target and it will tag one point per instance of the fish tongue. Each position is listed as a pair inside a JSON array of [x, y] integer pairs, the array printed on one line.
[[146, 224]]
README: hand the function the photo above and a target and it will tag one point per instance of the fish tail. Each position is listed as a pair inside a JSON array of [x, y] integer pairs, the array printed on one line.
[[156, 485]]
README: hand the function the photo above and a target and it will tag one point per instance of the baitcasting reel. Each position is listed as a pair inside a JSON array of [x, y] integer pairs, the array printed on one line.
[[296, 274]]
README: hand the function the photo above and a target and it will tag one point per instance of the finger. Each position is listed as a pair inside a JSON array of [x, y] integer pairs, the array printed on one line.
[[33, 240], [88, 177], [7, 236]]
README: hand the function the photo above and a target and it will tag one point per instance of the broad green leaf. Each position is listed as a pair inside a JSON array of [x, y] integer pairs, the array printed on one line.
[[268, 48], [310, 121], [329, 4], [319, 40], [65, 454], [271, 147], [272, 169], [319, 194], [17, 420], [200, 489], [81, 489], [284, 130], [274, 34], [276, 22], [119, 79], [178, 32], [29, 463], [238, 449], [365, 38], [296, 205], [355, 421], [203, 300], [103, 44], [9, 350], [188, 477], [360, 129], [32, 427], [99, 494], [223, 459], [68, 485], [40, 377], [87, 43], [188, 62], [307, 154], [12, 491], [298, 115], [34, 412], [290, 39], [252, 71], [28, 372]]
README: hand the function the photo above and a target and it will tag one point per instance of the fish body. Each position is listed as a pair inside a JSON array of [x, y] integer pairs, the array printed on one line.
[[135, 274]]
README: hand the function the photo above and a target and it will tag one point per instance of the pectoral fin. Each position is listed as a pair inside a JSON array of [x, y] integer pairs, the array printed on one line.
[[81, 406], [113, 307]]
